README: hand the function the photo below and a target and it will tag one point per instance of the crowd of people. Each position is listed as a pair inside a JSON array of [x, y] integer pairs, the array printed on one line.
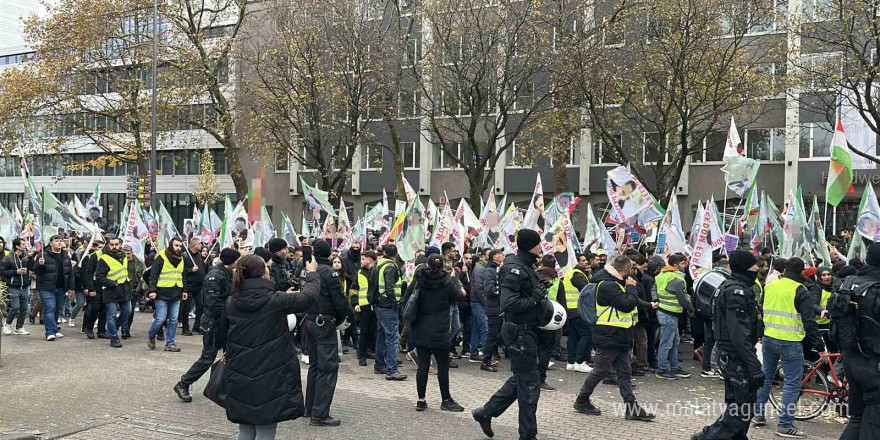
[[479, 305]]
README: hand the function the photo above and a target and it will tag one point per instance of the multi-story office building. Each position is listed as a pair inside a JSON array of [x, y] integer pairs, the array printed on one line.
[[791, 140]]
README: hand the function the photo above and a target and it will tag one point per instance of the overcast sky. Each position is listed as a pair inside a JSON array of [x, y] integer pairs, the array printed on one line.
[[11, 13]]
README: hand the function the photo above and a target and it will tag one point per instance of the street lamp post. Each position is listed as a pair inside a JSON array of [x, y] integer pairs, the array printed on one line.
[[153, 155]]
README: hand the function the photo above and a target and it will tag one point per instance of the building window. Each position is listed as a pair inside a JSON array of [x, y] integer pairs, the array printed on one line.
[[766, 144], [714, 144], [410, 155], [282, 160], [442, 157], [572, 154], [654, 148], [773, 18], [371, 157], [818, 10], [823, 69], [525, 97], [339, 159], [412, 51], [815, 140], [520, 154], [219, 31], [613, 33], [408, 104], [599, 146], [772, 76]]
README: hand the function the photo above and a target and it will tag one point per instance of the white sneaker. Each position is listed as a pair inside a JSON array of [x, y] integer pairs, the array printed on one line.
[[570, 367], [50, 338], [59, 335], [21, 331], [63, 320], [71, 323], [551, 364], [583, 367], [6, 329], [305, 359]]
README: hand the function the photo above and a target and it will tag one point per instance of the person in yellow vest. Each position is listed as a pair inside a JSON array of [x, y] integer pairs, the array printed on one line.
[[670, 290], [789, 317], [578, 345], [616, 301], [166, 288], [366, 314], [112, 275]]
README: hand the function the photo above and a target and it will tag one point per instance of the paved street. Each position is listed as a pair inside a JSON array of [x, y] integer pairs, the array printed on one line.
[[75, 388]]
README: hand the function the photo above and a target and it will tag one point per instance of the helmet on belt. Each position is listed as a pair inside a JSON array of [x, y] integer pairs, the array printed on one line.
[[343, 325], [291, 321], [554, 316], [706, 285]]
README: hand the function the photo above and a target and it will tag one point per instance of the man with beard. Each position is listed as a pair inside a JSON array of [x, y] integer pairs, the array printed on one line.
[[166, 288], [329, 310], [112, 276], [95, 307], [280, 271]]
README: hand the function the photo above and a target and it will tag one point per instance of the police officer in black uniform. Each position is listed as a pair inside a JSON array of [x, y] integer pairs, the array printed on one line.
[[215, 290], [524, 304], [855, 324], [330, 309], [735, 319]]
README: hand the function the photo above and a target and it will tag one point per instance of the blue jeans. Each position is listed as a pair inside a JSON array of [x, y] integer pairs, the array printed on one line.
[[387, 339], [18, 306], [668, 342], [481, 328], [165, 309], [578, 346], [791, 355], [455, 324], [52, 299], [125, 311], [80, 303]]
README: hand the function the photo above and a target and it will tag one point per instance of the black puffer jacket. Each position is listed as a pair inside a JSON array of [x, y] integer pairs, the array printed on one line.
[[111, 291], [437, 291], [489, 284], [612, 293], [262, 372], [47, 274]]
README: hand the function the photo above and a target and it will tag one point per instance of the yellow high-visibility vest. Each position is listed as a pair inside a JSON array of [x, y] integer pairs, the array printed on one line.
[[571, 293], [823, 303], [384, 264], [363, 289], [118, 271], [170, 276], [781, 319], [668, 300], [612, 317]]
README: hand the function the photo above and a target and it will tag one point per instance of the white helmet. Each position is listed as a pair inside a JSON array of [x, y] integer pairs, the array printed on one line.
[[557, 316], [343, 325], [291, 321]]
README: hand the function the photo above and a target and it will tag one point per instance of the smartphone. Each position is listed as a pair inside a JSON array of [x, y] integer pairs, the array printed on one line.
[[307, 255]]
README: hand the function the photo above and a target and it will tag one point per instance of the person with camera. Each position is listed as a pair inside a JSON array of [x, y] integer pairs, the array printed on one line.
[[525, 306]]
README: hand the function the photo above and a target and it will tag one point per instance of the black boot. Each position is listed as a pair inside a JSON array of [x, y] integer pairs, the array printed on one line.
[[484, 421], [182, 391]]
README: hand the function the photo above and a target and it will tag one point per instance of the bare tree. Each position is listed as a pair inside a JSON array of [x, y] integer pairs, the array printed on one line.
[[311, 81], [667, 73], [482, 75]]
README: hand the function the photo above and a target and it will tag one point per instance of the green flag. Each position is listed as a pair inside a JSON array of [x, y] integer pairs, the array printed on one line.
[[840, 172]]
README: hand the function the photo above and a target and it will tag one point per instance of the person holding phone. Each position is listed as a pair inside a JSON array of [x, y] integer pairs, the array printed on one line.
[[54, 279]]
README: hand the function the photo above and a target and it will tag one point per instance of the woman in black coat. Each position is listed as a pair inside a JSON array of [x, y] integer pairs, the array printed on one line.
[[430, 329], [262, 372]]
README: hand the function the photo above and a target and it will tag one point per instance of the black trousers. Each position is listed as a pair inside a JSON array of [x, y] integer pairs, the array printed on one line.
[[323, 367], [864, 397], [367, 325], [199, 300], [183, 312], [607, 362], [203, 364], [442, 356], [708, 344], [546, 344], [740, 398], [467, 327], [524, 386], [95, 311], [493, 339]]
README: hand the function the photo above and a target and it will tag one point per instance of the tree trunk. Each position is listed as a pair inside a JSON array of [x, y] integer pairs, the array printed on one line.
[[477, 188], [560, 175], [397, 156], [235, 171]]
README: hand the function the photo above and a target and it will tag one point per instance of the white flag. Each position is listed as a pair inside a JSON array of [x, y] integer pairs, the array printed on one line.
[[733, 148]]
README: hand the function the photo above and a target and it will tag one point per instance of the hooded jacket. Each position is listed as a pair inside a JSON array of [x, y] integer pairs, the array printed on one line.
[[615, 293], [262, 380], [437, 291]]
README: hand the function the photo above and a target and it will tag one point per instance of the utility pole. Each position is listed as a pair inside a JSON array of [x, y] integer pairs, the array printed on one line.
[[154, 81]]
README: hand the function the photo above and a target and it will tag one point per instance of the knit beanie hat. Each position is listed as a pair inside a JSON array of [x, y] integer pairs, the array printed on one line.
[[431, 250], [276, 244], [229, 256], [321, 249], [741, 261], [263, 253], [526, 239]]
